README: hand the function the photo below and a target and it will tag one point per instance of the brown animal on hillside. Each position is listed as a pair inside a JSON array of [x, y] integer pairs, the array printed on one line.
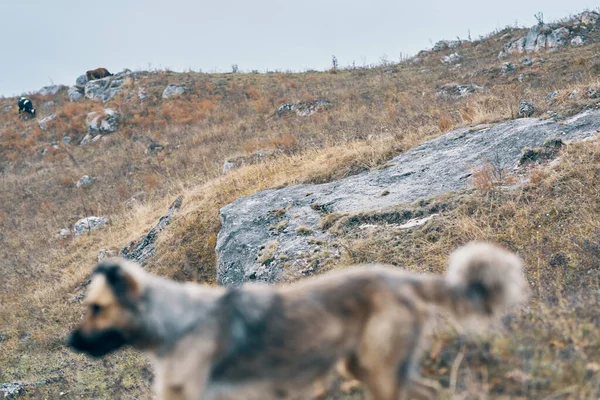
[[273, 342], [97, 73]]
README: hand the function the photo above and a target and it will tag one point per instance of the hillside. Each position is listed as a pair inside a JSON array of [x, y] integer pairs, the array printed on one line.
[[213, 138]]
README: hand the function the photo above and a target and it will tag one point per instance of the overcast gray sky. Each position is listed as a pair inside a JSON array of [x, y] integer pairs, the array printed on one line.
[[54, 41]]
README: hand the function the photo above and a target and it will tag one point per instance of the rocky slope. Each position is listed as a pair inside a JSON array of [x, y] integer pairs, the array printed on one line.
[[272, 235]]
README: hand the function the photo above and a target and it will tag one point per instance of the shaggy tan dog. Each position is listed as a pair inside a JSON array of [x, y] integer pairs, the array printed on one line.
[[261, 342]]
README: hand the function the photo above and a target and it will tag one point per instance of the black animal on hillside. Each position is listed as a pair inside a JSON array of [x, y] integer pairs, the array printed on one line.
[[25, 105]]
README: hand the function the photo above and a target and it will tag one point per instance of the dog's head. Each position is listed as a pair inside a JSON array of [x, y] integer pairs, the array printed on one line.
[[113, 318]]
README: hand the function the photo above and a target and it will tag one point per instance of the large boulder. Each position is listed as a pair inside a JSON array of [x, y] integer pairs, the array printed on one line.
[[106, 88], [273, 235], [538, 38], [50, 90], [106, 121], [173, 90], [88, 224]]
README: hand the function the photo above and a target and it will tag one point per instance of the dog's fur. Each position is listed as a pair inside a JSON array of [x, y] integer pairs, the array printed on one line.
[[97, 73], [261, 342]]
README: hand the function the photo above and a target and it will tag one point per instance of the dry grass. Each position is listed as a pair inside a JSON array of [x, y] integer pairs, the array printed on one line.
[[550, 347], [376, 113]]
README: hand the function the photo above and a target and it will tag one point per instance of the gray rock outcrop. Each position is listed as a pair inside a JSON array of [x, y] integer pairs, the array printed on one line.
[[456, 91], [451, 58], [43, 123], [173, 90], [106, 121], [106, 88], [271, 235], [304, 108], [145, 247], [88, 224], [526, 108], [50, 90], [539, 37], [85, 180], [81, 80], [75, 93]]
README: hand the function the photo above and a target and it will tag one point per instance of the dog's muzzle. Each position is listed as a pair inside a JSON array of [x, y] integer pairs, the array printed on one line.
[[97, 344]]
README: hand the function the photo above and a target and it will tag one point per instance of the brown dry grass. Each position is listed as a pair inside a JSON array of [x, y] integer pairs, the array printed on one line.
[[377, 112]]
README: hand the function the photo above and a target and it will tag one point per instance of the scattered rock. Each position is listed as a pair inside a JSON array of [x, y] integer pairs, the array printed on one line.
[[85, 139], [527, 62], [144, 248], [43, 123], [432, 169], [589, 17], [85, 180], [249, 159], [526, 108], [456, 91], [173, 90], [50, 90], [106, 253], [547, 151], [64, 234], [17, 389], [75, 94], [552, 95], [577, 41], [11, 389], [142, 94], [522, 77], [104, 122], [574, 94], [451, 58], [48, 104], [154, 148], [67, 140], [446, 44], [89, 224], [417, 222], [592, 93], [303, 109], [508, 67]]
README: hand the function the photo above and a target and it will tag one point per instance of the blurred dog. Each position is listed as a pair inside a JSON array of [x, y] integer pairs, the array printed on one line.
[[261, 342]]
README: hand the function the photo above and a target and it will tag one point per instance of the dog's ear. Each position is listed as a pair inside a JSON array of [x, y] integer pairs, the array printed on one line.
[[123, 284]]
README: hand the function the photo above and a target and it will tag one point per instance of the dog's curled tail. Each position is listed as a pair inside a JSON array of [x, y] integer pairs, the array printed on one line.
[[484, 279]]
